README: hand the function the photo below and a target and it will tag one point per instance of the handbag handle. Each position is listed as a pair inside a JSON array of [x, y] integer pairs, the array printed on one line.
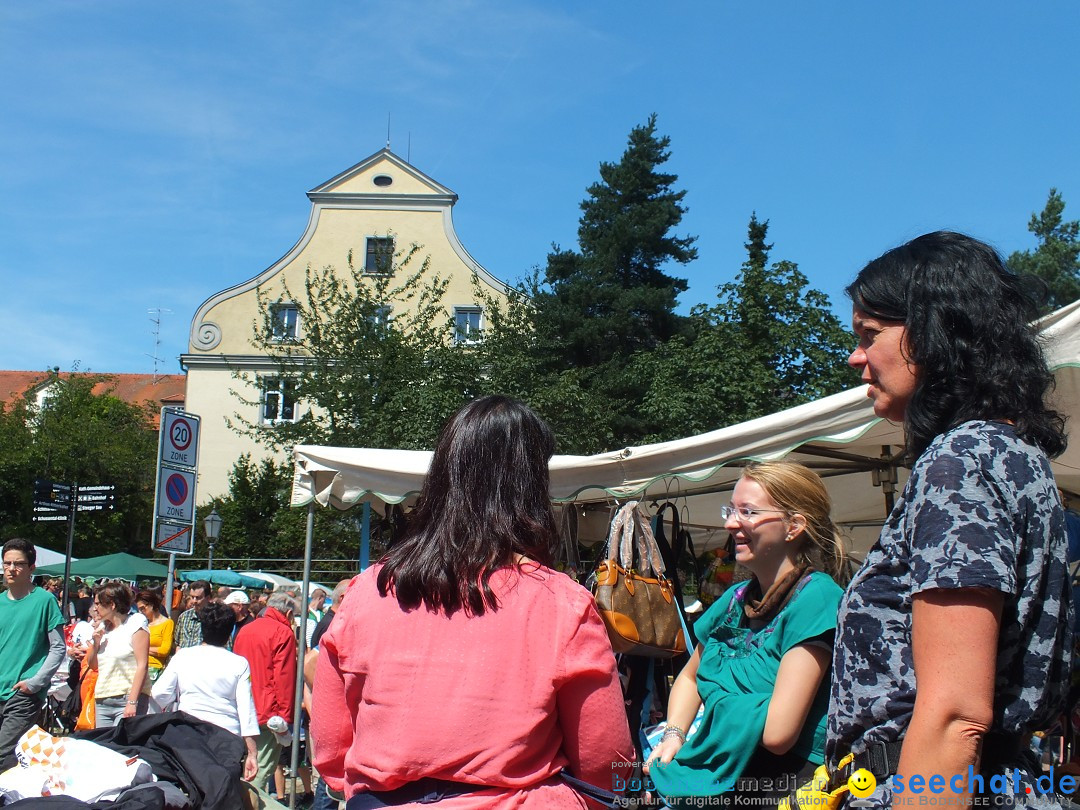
[[632, 544], [648, 549]]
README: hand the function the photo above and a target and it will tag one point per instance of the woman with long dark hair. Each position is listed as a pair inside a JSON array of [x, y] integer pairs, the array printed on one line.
[[953, 637], [462, 668]]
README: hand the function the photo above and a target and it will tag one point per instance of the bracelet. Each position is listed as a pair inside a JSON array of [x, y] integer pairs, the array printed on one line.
[[136, 703], [673, 731]]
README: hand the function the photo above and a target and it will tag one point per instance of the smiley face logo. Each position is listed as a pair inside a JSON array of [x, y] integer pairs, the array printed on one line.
[[862, 783]]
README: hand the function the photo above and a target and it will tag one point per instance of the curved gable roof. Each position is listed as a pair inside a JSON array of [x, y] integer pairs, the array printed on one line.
[[354, 188]]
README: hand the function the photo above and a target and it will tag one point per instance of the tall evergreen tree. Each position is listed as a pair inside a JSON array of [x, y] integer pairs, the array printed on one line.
[[612, 296], [1056, 260]]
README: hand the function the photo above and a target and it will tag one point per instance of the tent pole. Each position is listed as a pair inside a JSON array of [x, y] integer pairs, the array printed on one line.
[[301, 644], [886, 477], [365, 535]]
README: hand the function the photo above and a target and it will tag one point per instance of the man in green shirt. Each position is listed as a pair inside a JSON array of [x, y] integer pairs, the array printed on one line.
[[31, 646]]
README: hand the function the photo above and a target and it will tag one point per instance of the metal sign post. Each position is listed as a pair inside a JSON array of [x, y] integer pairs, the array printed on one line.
[[56, 502], [174, 497], [72, 509]]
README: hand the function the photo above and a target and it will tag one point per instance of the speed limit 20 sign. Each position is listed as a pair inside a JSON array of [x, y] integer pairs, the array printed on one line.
[[179, 439]]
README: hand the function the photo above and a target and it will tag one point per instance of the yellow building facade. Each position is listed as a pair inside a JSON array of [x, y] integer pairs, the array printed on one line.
[[379, 207]]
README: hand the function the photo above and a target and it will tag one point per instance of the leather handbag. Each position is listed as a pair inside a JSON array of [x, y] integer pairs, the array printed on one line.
[[634, 596]]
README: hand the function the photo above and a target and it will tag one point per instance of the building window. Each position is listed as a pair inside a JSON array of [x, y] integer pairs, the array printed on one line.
[[283, 321], [467, 324], [383, 180], [279, 399], [380, 255]]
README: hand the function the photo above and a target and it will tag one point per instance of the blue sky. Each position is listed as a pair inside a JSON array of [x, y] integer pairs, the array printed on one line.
[[153, 154]]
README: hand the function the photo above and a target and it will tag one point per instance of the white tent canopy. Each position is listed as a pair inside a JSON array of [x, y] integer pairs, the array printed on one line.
[[839, 436], [46, 556]]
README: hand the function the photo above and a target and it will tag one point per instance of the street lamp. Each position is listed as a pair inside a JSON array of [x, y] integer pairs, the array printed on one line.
[[212, 524]]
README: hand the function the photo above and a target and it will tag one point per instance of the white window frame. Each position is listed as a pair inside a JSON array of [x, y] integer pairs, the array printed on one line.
[[284, 335], [278, 386], [472, 336], [372, 269]]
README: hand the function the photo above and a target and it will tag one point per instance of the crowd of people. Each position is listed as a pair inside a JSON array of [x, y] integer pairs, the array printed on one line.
[[464, 670], [228, 658]]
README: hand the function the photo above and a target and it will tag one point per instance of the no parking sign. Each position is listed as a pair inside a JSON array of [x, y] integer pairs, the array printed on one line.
[[176, 495]]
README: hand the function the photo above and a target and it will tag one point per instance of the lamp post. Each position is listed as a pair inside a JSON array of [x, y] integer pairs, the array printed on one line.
[[212, 525]]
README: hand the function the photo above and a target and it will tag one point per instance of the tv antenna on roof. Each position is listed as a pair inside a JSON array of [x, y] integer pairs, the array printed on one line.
[[388, 130], [155, 318]]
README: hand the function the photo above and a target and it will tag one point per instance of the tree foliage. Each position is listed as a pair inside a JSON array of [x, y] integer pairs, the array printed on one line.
[[768, 343], [612, 296], [1056, 259], [79, 436], [597, 306], [375, 364], [256, 521]]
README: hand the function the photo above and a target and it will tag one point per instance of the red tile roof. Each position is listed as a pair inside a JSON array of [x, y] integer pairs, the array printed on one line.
[[166, 389]]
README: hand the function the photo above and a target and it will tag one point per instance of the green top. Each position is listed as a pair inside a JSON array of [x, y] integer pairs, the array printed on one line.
[[735, 679], [24, 636]]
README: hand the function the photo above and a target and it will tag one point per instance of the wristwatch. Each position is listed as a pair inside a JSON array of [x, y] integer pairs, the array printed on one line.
[[133, 703]]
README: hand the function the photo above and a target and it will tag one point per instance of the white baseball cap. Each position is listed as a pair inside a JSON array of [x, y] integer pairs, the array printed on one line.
[[237, 598]]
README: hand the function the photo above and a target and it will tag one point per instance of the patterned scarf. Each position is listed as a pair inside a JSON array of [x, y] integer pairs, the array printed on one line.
[[756, 606]]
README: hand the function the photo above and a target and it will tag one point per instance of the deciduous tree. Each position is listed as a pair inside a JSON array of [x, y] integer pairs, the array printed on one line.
[[92, 438], [376, 365]]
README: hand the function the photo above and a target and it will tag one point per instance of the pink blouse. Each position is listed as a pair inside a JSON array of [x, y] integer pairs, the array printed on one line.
[[506, 699]]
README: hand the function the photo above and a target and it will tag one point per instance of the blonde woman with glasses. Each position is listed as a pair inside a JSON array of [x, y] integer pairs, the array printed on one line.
[[761, 664]]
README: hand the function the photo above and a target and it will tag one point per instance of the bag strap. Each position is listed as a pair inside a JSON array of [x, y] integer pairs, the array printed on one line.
[[648, 550], [599, 795], [671, 554], [670, 551], [621, 538]]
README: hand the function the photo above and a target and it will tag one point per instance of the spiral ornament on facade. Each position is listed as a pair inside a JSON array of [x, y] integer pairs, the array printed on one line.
[[207, 336]]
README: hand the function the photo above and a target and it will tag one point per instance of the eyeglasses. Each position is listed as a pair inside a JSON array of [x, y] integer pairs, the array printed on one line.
[[16, 564], [744, 514]]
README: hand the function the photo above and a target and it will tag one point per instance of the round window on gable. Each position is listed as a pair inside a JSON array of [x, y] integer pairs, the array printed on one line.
[[383, 180]]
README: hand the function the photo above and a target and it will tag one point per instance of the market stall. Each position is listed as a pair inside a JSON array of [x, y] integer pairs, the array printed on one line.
[[114, 566], [857, 453]]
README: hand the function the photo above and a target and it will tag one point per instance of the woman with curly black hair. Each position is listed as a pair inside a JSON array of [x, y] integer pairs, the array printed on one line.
[[964, 594]]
